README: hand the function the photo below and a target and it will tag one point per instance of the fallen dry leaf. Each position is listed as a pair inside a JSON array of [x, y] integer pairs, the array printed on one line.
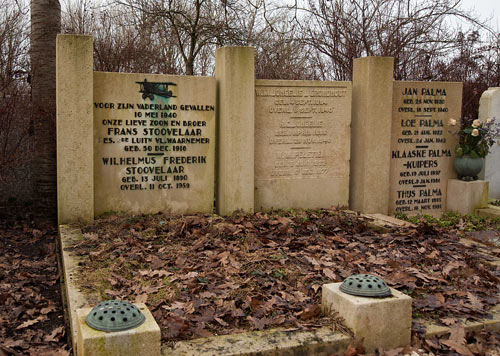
[[141, 298], [351, 351], [28, 323], [457, 342]]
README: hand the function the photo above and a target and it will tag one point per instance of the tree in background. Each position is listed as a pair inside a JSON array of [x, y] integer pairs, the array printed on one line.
[[190, 26], [45, 25], [125, 39], [180, 37], [14, 101], [475, 62], [414, 32], [313, 39]]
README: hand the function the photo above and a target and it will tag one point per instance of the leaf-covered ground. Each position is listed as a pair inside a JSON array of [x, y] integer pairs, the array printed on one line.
[[31, 312], [207, 275]]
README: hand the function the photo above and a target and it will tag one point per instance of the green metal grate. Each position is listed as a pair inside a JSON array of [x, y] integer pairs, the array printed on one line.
[[365, 285], [115, 315]]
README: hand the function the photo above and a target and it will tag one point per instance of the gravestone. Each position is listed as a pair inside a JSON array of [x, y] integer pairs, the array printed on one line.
[[137, 143], [302, 144], [154, 140], [422, 148], [489, 108]]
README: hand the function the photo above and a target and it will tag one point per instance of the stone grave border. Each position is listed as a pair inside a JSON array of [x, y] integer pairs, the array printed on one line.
[[322, 341], [491, 211], [73, 298]]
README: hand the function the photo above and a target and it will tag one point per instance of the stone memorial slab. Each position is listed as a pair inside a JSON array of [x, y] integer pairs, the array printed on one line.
[[154, 141], [422, 148], [302, 144]]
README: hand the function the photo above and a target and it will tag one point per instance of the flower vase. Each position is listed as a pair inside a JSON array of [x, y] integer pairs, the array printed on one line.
[[467, 167]]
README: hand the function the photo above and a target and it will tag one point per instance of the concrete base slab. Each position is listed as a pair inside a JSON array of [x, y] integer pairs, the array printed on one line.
[[382, 323], [321, 342], [380, 222], [385, 221], [466, 197], [491, 211], [142, 340], [492, 324]]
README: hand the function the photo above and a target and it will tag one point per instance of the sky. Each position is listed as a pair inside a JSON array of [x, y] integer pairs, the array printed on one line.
[[485, 9]]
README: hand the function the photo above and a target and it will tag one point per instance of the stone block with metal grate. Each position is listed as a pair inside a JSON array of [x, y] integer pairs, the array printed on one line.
[[143, 339], [380, 323]]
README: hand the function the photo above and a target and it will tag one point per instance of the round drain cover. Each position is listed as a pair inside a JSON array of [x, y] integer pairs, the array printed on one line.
[[365, 285], [115, 315]]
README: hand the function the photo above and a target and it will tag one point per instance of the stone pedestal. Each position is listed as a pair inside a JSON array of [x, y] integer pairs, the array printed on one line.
[[75, 129], [372, 88], [466, 197], [382, 323], [235, 75], [143, 340]]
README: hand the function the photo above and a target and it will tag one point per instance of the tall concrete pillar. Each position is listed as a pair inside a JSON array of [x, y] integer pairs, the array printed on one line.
[[75, 129], [235, 75], [371, 134], [489, 108]]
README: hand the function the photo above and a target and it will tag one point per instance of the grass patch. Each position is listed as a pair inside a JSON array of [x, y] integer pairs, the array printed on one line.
[[96, 282], [453, 220]]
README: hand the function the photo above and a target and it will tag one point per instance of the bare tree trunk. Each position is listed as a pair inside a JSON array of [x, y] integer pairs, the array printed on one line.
[[45, 25]]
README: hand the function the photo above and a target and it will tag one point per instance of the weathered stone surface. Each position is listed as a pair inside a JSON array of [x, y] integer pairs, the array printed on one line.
[[466, 197], [422, 148], [381, 220], [75, 166], [383, 323], [491, 324], [143, 340], [235, 74], [320, 342], [154, 144], [73, 298], [370, 132], [491, 211], [302, 144], [489, 108]]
